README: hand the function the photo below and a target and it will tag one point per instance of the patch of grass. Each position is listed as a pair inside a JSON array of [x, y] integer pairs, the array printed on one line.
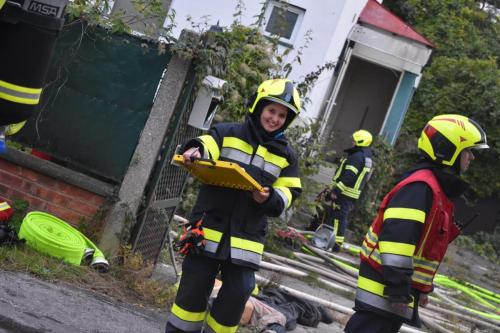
[[128, 279], [20, 207]]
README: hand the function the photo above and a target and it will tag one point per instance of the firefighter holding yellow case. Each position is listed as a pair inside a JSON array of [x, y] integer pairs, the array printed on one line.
[[233, 222]]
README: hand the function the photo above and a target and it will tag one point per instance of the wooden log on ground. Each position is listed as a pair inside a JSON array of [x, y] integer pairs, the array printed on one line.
[[331, 261], [278, 268], [339, 277], [466, 313], [309, 257], [484, 322], [331, 275], [325, 303], [430, 323], [300, 274]]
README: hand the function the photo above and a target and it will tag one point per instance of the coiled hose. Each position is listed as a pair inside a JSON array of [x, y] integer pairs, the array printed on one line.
[[51, 235]]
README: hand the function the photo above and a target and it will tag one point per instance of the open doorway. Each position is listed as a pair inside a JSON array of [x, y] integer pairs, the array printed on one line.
[[363, 101]]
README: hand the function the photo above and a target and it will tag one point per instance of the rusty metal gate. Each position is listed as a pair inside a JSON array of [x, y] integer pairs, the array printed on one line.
[[166, 185]]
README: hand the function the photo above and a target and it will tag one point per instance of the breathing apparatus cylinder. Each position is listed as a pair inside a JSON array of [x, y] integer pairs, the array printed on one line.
[[28, 33]]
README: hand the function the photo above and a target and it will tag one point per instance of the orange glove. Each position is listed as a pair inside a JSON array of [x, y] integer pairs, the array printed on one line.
[[193, 239]]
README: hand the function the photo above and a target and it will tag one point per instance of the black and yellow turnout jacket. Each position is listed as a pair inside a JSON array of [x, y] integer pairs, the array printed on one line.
[[234, 223], [353, 172]]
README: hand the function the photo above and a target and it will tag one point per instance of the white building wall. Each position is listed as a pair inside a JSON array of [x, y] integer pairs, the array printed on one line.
[[329, 21]]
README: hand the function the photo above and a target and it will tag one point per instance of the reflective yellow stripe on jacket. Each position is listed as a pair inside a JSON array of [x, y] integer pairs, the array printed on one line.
[[237, 150], [19, 94], [211, 149], [372, 293], [282, 185], [212, 240], [246, 250], [355, 191], [269, 162]]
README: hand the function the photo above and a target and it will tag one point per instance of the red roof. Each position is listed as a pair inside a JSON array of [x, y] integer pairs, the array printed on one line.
[[378, 16]]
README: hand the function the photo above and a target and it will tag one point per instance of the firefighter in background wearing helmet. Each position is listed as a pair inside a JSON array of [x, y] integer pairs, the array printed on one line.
[[408, 238], [234, 222], [352, 174]]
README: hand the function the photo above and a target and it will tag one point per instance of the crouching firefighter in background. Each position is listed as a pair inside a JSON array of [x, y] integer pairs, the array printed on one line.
[[408, 238], [28, 33], [351, 176], [234, 222]]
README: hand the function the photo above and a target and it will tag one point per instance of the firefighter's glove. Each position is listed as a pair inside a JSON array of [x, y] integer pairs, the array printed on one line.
[[192, 240]]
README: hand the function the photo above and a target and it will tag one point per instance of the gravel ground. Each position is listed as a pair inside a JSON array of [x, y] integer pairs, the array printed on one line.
[[29, 305]]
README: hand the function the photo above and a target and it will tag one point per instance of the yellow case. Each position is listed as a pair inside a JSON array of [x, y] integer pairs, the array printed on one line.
[[220, 173]]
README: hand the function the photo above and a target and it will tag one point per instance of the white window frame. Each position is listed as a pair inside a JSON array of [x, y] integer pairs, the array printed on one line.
[[289, 7]]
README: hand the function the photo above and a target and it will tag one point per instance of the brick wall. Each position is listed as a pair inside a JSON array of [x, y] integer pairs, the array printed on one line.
[[43, 193]]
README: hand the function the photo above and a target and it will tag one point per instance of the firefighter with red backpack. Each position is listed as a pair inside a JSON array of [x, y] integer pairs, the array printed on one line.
[[408, 238]]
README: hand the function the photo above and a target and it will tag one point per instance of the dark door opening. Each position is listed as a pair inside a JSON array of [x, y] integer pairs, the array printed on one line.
[[363, 100]]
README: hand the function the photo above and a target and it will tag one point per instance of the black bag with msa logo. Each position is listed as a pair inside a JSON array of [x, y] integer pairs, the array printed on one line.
[[28, 33]]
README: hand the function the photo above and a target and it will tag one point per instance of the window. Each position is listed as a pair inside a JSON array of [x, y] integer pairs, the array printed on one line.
[[283, 20]]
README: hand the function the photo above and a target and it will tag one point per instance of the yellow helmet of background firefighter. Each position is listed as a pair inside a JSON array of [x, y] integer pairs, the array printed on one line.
[[362, 138], [444, 137], [281, 91]]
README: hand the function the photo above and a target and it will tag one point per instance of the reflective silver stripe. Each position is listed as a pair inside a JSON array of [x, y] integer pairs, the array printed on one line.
[[258, 161], [430, 265], [244, 255], [423, 278], [397, 260], [365, 250], [368, 162], [271, 168], [185, 325], [381, 303], [31, 98], [205, 154], [283, 197], [236, 155], [372, 237], [211, 247], [376, 255]]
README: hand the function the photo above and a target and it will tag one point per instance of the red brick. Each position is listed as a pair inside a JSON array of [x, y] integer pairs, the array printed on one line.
[[75, 192], [28, 187], [10, 181], [30, 174], [10, 167], [98, 201], [51, 196], [65, 214], [4, 191], [82, 208], [39, 178], [34, 203]]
